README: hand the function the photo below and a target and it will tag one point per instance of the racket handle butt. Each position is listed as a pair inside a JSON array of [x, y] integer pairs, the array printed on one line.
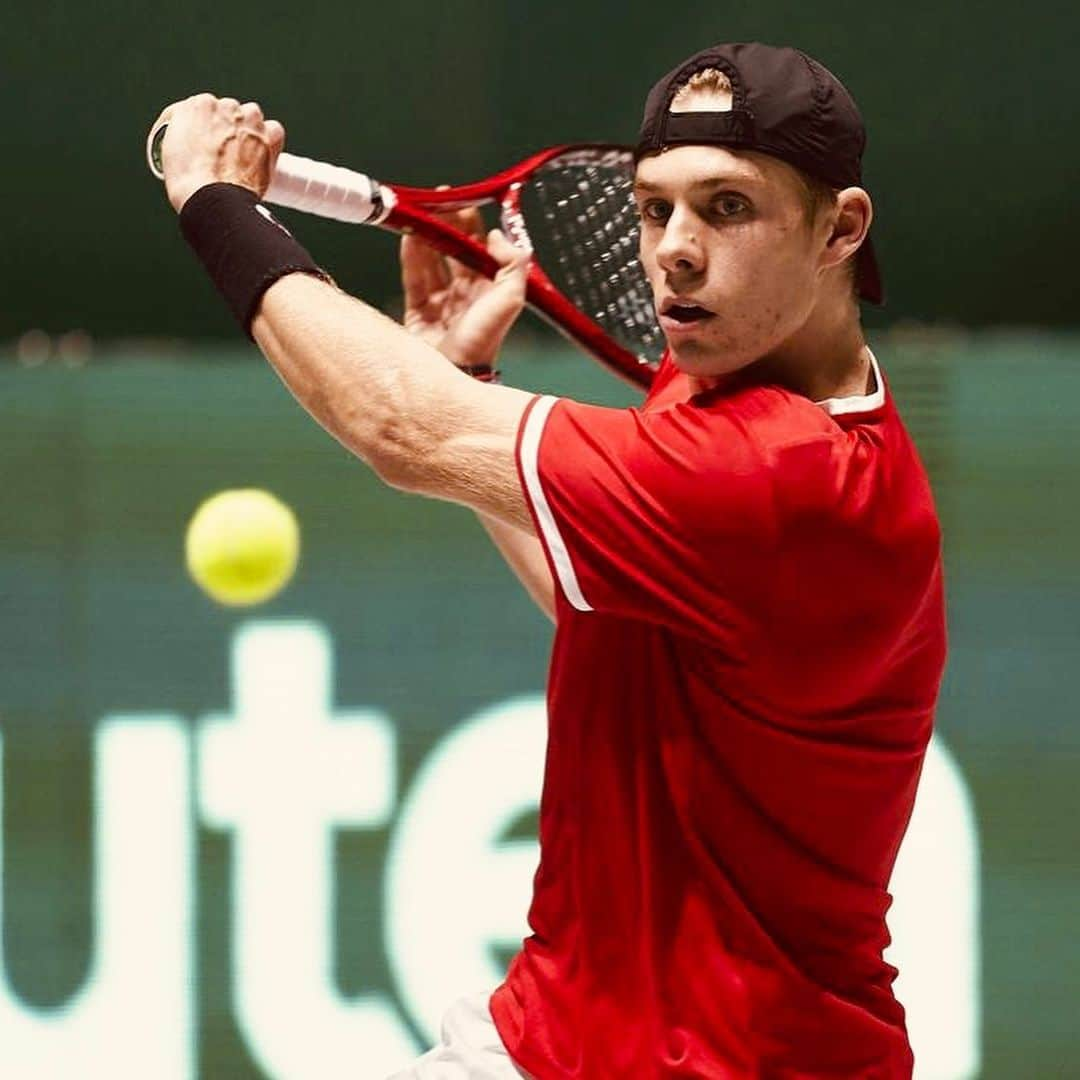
[[153, 150]]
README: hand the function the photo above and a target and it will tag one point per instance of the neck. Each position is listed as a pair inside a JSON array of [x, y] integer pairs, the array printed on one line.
[[826, 357]]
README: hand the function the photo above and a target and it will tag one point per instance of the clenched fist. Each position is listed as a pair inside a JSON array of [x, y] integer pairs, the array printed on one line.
[[217, 140]]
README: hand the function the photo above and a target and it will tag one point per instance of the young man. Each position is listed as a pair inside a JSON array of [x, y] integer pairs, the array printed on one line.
[[744, 573]]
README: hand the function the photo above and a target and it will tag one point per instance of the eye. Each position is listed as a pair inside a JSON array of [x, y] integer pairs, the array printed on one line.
[[655, 210], [727, 206]]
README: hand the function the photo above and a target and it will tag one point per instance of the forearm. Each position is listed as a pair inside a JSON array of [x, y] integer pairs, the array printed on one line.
[[525, 556]]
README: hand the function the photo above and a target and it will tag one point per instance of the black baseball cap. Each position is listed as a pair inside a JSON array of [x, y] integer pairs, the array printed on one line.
[[785, 104]]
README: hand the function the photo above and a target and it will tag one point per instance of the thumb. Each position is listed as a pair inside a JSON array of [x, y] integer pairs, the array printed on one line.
[[275, 136], [513, 261], [507, 254]]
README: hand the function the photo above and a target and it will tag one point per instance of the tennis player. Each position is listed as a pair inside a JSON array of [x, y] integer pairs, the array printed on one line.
[[744, 573]]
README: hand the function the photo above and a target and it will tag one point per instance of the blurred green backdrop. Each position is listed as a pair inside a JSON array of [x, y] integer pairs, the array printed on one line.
[[101, 466], [970, 106]]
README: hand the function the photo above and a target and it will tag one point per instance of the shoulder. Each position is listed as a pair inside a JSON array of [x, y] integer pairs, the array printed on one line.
[[768, 422], [814, 462], [775, 415], [754, 429]]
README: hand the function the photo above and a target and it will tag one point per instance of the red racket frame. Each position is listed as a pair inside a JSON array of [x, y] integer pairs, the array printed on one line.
[[414, 210]]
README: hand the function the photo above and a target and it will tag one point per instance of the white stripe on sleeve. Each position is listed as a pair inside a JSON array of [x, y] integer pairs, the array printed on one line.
[[552, 538]]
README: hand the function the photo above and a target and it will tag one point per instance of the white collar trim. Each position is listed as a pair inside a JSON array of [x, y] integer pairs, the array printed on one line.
[[858, 403]]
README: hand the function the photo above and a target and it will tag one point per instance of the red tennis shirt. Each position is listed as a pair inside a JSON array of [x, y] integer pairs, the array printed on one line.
[[749, 645]]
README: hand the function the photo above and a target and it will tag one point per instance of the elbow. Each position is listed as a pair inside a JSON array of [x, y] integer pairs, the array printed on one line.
[[398, 474], [399, 454], [372, 423]]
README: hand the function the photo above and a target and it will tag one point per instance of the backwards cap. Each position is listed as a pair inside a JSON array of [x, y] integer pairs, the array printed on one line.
[[784, 104]]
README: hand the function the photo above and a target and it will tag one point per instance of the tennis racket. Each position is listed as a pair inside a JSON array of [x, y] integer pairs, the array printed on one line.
[[572, 205]]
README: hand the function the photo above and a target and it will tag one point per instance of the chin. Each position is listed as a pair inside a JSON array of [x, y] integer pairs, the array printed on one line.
[[704, 360]]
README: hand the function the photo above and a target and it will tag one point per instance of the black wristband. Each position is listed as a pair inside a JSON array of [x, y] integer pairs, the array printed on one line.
[[482, 372], [244, 248]]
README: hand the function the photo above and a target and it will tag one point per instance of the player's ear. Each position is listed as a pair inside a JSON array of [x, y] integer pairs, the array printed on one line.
[[849, 223]]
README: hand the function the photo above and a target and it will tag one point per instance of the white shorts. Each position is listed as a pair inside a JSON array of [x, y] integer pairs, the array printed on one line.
[[470, 1048]]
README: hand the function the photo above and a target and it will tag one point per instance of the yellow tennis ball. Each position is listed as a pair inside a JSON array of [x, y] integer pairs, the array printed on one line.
[[242, 546]]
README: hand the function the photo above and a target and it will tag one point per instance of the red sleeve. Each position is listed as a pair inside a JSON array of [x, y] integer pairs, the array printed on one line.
[[665, 516]]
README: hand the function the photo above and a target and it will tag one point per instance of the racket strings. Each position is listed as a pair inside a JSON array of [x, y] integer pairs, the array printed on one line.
[[583, 224]]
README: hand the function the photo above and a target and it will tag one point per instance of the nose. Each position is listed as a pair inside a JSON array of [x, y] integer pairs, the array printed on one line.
[[679, 250]]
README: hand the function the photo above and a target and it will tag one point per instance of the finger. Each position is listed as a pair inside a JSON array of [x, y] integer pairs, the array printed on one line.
[[512, 279], [413, 275], [506, 294], [275, 136], [428, 259], [203, 102], [229, 106], [471, 223], [251, 113], [495, 308], [423, 271], [506, 253], [468, 220]]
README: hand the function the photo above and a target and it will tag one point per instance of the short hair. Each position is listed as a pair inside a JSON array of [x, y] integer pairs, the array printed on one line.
[[817, 194], [712, 84]]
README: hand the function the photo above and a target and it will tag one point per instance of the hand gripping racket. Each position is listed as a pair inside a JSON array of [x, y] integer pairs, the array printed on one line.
[[571, 204]]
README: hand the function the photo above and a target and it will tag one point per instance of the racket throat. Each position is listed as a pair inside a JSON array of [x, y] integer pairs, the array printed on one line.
[[382, 202]]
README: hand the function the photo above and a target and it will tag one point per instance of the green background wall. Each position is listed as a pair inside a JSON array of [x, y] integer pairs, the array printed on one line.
[[100, 468]]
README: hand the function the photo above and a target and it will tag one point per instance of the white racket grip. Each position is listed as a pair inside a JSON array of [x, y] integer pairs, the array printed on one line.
[[329, 191]]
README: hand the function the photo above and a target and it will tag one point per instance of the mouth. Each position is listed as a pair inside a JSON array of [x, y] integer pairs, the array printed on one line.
[[676, 315]]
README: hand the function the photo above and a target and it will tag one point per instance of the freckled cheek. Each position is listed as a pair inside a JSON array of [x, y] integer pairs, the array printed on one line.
[[743, 287], [748, 321], [759, 257], [767, 288]]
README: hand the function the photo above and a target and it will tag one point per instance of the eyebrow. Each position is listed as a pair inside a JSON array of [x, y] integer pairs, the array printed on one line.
[[703, 184]]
